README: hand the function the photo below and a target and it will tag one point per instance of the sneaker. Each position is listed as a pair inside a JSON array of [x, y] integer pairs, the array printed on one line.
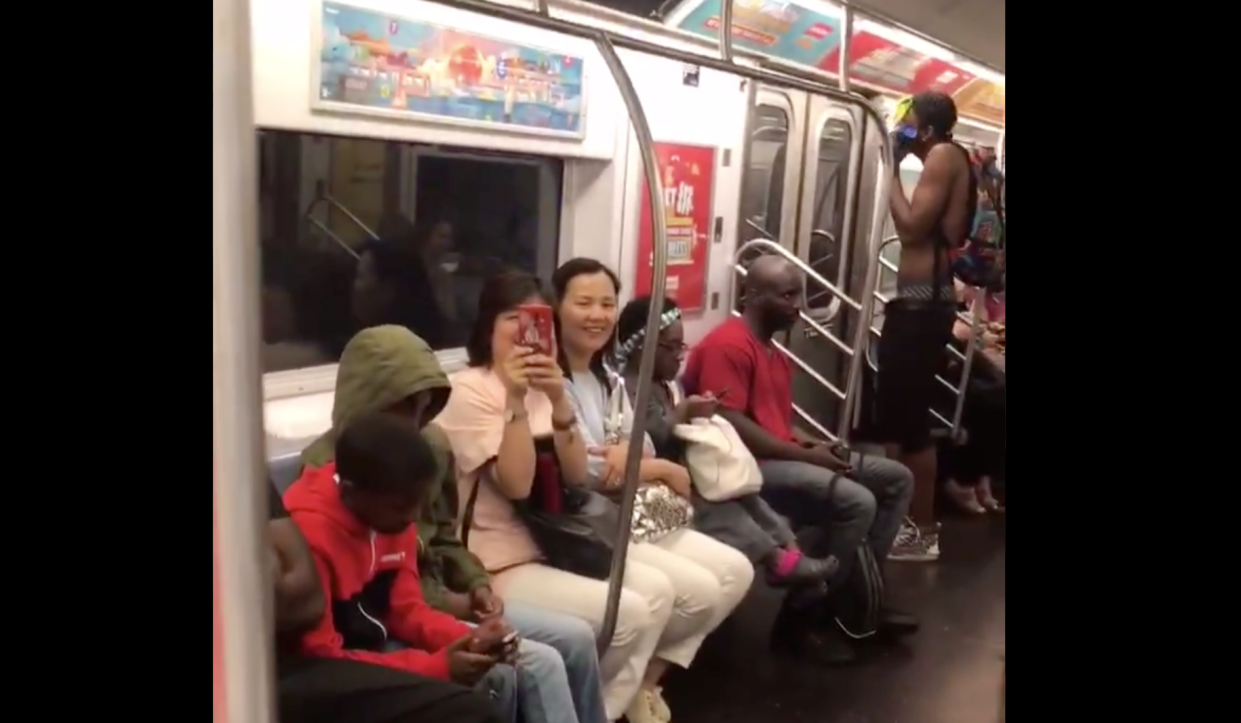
[[915, 545]]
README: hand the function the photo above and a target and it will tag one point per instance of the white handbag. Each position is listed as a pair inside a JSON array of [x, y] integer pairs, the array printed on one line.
[[719, 463]]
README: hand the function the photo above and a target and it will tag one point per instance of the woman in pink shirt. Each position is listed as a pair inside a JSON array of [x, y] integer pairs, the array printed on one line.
[[506, 399]]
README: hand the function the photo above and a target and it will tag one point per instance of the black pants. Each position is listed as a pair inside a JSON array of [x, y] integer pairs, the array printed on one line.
[[911, 353], [315, 690]]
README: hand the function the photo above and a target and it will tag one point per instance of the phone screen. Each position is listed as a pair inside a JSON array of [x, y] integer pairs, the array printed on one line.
[[536, 329]]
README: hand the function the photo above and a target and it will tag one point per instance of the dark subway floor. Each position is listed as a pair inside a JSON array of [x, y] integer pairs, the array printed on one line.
[[950, 672]]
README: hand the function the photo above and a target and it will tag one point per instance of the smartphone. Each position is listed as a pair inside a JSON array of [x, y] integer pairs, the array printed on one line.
[[535, 328]]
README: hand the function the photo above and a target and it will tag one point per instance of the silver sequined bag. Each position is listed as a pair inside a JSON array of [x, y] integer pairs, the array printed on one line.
[[657, 510]]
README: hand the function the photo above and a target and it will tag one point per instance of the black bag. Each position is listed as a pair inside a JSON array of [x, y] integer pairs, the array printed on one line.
[[575, 528], [855, 601]]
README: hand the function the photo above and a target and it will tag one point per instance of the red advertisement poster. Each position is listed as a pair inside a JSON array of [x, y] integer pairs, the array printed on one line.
[[688, 174]]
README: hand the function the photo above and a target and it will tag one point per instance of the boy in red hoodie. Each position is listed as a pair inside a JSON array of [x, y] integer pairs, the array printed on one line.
[[357, 515]]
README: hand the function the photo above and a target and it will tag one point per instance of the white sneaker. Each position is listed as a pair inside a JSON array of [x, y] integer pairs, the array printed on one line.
[[914, 545]]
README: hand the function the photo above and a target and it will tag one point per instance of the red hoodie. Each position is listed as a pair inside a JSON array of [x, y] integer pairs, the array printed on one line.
[[371, 582]]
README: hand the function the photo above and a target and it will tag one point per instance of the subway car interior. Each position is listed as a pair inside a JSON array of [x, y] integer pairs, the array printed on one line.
[[525, 164]]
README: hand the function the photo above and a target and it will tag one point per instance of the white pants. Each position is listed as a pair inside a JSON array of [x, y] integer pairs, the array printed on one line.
[[676, 591]]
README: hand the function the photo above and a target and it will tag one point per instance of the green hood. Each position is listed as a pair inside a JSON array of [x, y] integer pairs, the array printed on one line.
[[380, 367]]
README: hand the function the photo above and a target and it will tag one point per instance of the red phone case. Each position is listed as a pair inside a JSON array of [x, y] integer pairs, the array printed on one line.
[[535, 328]]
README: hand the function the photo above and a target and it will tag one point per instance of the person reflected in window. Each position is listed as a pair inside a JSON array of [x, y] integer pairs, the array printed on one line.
[[392, 286]]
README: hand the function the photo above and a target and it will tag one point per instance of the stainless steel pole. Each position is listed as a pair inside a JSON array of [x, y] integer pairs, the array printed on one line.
[[646, 365], [725, 31], [846, 40], [239, 496]]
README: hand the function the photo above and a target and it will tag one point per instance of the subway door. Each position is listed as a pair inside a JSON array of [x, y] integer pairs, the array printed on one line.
[[826, 220]]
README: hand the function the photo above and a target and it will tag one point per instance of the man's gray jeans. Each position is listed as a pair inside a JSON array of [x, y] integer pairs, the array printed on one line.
[[870, 505]]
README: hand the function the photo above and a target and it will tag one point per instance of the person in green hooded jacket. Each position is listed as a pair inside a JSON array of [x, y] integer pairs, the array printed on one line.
[[390, 369]]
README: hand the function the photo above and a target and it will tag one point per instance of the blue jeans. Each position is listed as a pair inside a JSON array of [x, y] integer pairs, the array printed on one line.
[[499, 684], [558, 668], [869, 506]]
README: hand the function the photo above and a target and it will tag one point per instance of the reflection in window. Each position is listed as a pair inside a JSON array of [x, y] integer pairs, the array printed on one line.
[[763, 192], [360, 232], [831, 182]]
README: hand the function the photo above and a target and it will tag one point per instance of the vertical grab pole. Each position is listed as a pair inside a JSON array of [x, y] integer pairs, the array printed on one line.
[[846, 39], [861, 337], [541, 7], [239, 497], [724, 34], [646, 366]]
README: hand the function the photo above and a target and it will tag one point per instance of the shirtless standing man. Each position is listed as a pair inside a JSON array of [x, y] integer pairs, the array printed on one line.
[[918, 321]]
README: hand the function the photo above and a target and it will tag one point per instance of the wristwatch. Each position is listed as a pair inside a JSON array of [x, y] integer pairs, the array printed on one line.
[[565, 426]]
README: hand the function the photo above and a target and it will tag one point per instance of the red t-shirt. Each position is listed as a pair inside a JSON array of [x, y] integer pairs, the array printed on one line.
[[758, 378]]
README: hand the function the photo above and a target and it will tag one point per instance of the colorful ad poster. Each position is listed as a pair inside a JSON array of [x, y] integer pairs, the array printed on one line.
[[688, 174], [893, 67], [781, 29], [378, 64]]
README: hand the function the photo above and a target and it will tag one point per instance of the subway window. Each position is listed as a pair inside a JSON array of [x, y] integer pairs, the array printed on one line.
[[358, 232]]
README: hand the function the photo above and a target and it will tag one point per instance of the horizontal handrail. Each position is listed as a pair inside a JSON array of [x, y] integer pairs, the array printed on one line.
[[809, 321], [801, 265], [972, 319], [804, 366]]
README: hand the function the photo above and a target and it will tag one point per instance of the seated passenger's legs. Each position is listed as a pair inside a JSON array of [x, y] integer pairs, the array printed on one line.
[[645, 607], [805, 493], [500, 685], [892, 484], [557, 647], [710, 580], [322, 690]]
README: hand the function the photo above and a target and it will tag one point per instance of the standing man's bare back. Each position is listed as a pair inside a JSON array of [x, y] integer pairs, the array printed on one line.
[[918, 321]]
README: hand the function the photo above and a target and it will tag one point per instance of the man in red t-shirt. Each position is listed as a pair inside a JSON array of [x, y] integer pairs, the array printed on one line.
[[737, 362]]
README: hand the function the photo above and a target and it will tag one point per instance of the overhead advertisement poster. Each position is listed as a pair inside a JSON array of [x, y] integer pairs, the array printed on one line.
[[798, 34], [780, 29], [374, 63]]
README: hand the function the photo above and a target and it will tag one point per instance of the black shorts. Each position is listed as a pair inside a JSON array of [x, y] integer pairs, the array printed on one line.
[[911, 353]]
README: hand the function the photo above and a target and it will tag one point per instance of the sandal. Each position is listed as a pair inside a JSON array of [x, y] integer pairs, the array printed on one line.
[[987, 500], [965, 498]]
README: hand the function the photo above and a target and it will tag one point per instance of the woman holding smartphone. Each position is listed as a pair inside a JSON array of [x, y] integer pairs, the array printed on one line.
[[511, 396]]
